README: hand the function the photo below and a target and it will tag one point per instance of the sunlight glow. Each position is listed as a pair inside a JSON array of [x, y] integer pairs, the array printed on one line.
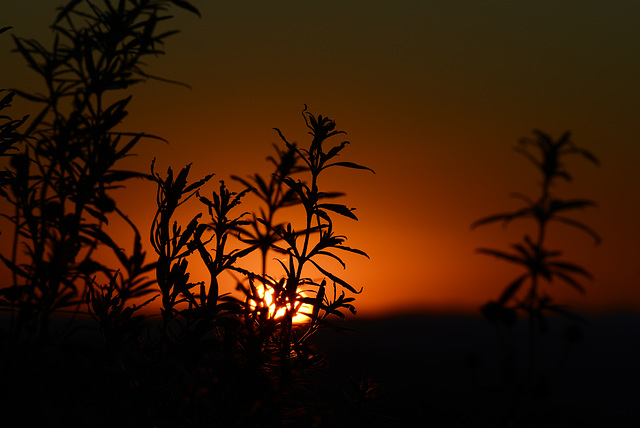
[[266, 293]]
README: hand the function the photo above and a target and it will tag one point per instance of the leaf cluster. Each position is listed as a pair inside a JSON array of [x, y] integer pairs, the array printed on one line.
[[551, 154], [532, 254], [10, 136]]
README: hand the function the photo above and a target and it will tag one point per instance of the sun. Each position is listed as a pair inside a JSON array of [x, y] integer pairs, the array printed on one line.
[[301, 310]]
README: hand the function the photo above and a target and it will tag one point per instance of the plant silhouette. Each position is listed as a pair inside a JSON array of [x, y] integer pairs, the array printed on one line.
[[75, 343], [541, 265], [217, 357]]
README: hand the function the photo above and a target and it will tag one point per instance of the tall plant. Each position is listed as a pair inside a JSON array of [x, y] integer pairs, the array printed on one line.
[[528, 293], [68, 162]]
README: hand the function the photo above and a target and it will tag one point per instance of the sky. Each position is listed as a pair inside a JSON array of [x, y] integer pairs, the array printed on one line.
[[433, 96]]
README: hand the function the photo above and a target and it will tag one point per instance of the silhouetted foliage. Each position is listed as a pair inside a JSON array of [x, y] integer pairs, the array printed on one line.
[[526, 294], [10, 136], [217, 358], [69, 161], [255, 332]]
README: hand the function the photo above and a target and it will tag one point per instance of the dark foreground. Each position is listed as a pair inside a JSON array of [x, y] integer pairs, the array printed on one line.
[[413, 371], [422, 366]]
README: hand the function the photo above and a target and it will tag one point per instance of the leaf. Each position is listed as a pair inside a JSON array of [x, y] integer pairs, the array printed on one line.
[[189, 231], [565, 139], [329, 195], [340, 209], [522, 197], [511, 289], [15, 268], [352, 250], [327, 253], [6, 100], [569, 280], [571, 267], [123, 152], [502, 255], [587, 154], [506, 217], [27, 54], [35, 98], [96, 214], [580, 226], [335, 150], [350, 165], [284, 267], [237, 254], [529, 156], [197, 184], [244, 182], [94, 232], [523, 251], [561, 205], [335, 278], [186, 6], [66, 9]]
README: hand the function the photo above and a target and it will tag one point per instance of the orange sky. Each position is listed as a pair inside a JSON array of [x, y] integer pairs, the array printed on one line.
[[433, 96]]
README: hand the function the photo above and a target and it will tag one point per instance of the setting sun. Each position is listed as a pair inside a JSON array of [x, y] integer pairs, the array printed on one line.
[[365, 214], [300, 310]]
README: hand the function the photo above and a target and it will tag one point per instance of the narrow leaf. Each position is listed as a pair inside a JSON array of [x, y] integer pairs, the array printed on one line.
[[335, 278], [571, 267], [502, 255], [506, 217], [186, 6], [569, 280], [340, 209], [350, 165], [580, 226], [511, 289]]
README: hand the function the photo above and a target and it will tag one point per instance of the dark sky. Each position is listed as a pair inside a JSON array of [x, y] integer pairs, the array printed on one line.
[[433, 95]]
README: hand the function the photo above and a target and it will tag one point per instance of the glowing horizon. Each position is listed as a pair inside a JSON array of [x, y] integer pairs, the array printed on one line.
[[433, 101]]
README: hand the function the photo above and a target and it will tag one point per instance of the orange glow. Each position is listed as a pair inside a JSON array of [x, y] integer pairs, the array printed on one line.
[[301, 310], [434, 116]]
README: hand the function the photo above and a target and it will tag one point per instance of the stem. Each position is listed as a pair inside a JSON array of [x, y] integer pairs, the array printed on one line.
[[307, 235], [533, 337]]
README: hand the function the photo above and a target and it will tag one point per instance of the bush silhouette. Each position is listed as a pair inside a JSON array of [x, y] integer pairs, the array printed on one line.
[[217, 357]]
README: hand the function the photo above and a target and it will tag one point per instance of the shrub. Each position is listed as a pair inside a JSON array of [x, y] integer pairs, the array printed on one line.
[[216, 357]]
